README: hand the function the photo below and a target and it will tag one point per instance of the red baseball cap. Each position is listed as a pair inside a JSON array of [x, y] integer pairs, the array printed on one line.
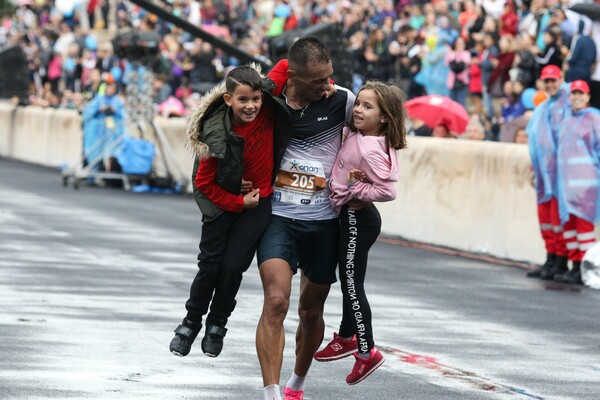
[[580, 85], [551, 72]]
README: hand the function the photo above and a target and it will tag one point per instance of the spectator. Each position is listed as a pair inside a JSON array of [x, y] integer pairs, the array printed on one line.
[[476, 27], [434, 73], [442, 131], [487, 63], [524, 61], [203, 74], [161, 88], [509, 20], [567, 28], [474, 131], [493, 8], [520, 136], [582, 56], [418, 128], [106, 59], [475, 79], [55, 72], [356, 50], [511, 105], [530, 24], [378, 59], [551, 53], [458, 60], [467, 18], [502, 65]]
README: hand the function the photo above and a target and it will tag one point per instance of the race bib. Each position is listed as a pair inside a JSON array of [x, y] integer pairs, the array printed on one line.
[[301, 182]]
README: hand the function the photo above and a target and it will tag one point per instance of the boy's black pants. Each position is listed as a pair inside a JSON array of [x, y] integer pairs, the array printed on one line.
[[359, 229], [227, 248]]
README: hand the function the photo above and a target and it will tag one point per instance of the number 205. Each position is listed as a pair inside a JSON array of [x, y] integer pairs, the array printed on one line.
[[303, 181]]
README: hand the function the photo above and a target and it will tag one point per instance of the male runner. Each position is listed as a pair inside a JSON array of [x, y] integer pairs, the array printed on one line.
[[304, 228]]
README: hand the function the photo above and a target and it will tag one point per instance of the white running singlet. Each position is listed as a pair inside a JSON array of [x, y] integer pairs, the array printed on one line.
[[302, 185]]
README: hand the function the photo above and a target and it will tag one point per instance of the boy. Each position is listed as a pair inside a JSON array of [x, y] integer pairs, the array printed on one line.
[[239, 134]]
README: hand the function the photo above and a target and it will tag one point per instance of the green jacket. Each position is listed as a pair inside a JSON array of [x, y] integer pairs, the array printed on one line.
[[209, 134]]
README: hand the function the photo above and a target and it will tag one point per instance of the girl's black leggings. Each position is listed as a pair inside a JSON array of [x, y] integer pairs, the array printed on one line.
[[359, 230]]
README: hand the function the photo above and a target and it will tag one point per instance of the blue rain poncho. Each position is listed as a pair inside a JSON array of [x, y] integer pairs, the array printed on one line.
[[100, 129], [542, 130], [578, 165]]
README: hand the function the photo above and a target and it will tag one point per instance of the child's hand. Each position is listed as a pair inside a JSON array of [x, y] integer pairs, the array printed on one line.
[[330, 90], [251, 199], [246, 186]]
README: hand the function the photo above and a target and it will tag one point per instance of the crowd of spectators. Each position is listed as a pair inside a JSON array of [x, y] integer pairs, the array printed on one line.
[[482, 53]]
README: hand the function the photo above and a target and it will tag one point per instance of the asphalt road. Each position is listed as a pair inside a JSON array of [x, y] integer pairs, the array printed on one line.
[[93, 282]]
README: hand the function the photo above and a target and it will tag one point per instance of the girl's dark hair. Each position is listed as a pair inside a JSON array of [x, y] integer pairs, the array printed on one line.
[[243, 75], [390, 99]]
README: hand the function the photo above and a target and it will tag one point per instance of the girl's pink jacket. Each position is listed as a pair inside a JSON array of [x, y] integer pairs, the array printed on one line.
[[371, 155]]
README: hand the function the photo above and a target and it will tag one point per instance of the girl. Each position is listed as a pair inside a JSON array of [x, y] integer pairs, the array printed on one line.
[[365, 171]]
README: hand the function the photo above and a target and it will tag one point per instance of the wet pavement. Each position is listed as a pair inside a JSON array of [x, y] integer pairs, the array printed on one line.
[[93, 282]]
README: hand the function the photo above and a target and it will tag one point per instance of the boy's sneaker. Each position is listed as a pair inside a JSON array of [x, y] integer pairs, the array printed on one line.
[[212, 343], [289, 394], [337, 349], [185, 334], [365, 367]]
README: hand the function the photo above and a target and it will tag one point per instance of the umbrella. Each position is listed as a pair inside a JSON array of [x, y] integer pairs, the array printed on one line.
[[591, 10], [436, 110], [216, 30]]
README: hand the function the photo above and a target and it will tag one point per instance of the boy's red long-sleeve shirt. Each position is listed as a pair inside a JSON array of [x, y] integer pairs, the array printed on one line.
[[258, 163]]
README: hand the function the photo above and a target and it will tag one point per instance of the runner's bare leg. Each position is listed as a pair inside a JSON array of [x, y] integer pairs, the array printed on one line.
[[311, 328], [276, 276]]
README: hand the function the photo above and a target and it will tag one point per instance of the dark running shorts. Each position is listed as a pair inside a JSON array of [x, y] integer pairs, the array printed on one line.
[[309, 245]]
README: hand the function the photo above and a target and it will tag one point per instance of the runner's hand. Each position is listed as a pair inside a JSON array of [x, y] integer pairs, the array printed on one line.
[[251, 199]]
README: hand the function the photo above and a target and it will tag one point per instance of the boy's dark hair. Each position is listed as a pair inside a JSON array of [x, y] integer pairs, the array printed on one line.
[[307, 51], [243, 75]]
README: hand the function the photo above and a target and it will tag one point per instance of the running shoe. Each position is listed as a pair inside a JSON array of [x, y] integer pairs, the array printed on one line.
[[337, 349], [365, 367], [289, 394]]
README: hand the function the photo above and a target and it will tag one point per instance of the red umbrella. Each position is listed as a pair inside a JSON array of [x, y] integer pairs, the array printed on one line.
[[216, 30], [436, 110]]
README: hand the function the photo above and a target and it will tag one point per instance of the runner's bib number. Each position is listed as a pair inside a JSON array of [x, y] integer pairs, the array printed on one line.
[[300, 182]]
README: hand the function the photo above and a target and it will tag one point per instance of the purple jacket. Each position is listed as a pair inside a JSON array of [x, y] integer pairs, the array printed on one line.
[[371, 155]]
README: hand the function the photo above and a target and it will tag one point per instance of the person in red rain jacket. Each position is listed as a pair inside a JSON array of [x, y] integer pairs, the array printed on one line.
[[475, 81], [509, 20]]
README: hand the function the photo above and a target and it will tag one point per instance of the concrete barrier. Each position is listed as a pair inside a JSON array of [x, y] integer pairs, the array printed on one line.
[[472, 196], [7, 120], [46, 136]]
